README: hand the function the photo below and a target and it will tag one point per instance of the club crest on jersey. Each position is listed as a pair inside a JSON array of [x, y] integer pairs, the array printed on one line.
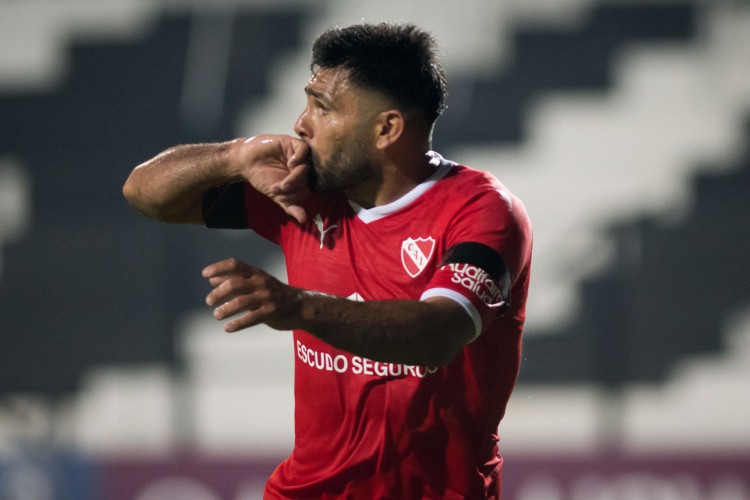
[[416, 253]]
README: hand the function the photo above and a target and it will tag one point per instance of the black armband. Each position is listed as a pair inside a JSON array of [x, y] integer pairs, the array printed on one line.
[[490, 262], [224, 207]]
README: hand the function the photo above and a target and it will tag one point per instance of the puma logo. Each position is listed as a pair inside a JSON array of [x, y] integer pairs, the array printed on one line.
[[321, 229]]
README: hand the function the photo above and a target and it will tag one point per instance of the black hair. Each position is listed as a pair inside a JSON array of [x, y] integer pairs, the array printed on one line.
[[399, 60]]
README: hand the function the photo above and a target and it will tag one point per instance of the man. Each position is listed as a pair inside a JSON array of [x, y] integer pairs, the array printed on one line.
[[408, 273]]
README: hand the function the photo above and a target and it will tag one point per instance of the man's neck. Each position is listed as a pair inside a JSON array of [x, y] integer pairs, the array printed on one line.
[[393, 182]]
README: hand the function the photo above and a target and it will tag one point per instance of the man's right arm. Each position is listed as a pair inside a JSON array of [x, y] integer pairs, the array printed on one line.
[[171, 186]]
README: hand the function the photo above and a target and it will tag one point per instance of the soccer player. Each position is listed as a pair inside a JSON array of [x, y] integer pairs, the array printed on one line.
[[408, 273]]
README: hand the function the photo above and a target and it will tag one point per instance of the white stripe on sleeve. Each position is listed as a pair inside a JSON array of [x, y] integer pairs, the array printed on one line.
[[463, 302]]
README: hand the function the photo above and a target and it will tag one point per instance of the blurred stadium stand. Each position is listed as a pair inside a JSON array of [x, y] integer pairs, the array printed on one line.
[[559, 58], [91, 284], [666, 296]]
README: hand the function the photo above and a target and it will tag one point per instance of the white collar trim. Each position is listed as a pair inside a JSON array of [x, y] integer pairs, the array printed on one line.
[[367, 215]]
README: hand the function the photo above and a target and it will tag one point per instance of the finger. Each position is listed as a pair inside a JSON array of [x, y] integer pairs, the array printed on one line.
[[293, 189], [297, 212], [255, 316], [288, 202], [228, 309], [287, 198], [213, 270], [233, 305], [297, 178], [290, 193], [229, 291], [245, 321], [301, 150], [218, 280], [224, 267]]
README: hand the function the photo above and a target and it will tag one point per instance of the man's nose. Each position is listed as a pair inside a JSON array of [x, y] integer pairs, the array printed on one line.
[[300, 126]]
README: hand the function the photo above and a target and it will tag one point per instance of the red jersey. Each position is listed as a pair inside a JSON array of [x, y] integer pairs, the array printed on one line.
[[366, 429]]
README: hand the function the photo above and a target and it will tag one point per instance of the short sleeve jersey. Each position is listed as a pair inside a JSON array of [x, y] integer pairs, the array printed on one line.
[[366, 429]]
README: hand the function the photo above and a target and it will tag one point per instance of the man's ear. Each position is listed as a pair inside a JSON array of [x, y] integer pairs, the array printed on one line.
[[390, 127]]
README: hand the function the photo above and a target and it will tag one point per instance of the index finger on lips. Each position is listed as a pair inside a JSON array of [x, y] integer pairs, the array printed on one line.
[[300, 152]]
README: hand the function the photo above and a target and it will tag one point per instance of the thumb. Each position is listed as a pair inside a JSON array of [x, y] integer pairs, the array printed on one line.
[[300, 153], [296, 211]]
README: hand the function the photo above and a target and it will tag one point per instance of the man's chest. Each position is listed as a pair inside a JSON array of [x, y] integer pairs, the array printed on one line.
[[384, 259]]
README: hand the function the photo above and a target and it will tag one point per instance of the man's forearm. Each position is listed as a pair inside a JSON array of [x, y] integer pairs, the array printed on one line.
[[170, 186], [426, 333]]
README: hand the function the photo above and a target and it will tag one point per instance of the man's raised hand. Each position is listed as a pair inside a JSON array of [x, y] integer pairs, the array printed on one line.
[[277, 166]]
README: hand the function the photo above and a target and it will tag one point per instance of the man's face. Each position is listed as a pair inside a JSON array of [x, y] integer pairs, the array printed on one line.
[[338, 124]]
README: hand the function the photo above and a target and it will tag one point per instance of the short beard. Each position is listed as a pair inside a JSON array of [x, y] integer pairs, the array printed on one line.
[[343, 170]]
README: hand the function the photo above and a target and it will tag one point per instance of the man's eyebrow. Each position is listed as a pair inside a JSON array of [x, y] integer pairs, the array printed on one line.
[[316, 94]]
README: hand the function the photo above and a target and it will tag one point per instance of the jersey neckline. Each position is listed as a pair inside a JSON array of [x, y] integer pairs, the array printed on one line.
[[367, 215]]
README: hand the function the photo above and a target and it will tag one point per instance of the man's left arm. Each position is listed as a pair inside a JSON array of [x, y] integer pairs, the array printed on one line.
[[426, 333]]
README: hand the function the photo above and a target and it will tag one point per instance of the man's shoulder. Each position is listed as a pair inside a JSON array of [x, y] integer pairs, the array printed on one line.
[[472, 189], [462, 174], [470, 183]]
